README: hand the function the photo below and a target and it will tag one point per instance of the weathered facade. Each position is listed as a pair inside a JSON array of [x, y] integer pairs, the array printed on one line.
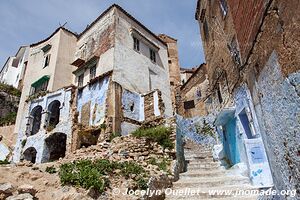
[[131, 63], [121, 75], [193, 94], [186, 73], [174, 67], [251, 49], [44, 111], [12, 73]]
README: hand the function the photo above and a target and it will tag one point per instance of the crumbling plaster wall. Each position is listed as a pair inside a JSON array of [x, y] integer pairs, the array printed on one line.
[[132, 69], [98, 40], [278, 107], [37, 141], [272, 74], [221, 65], [139, 108], [133, 105], [91, 103]]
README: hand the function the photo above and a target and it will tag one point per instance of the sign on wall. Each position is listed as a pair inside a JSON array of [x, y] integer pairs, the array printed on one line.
[[260, 173]]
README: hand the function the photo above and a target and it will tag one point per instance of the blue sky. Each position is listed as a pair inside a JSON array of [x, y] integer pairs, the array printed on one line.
[[25, 22]]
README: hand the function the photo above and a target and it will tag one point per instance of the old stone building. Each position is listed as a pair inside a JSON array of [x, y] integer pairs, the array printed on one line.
[[193, 94], [174, 67], [252, 53], [186, 73], [79, 89]]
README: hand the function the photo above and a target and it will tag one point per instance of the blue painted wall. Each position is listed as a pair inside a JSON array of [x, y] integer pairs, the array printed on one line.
[[96, 94]]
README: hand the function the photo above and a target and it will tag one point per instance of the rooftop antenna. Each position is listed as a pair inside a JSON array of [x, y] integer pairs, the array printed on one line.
[[62, 25]]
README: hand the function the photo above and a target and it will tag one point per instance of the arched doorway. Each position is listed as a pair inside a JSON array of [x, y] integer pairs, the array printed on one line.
[[30, 154], [56, 146], [54, 112], [36, 116]]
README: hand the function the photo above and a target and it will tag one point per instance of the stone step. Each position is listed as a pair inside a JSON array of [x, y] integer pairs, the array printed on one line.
[[204, 166], [211, 182], [203, 162], [197, 152], [197, 157], [202, 173], [200, 160], [207, 193]]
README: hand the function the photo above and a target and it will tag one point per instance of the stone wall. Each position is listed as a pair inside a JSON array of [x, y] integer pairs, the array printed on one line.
[[269, 66], [196, 90], [279, 109], [139, 109]]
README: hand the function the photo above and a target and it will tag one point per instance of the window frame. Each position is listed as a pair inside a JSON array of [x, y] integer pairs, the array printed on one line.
[[152, 55], [46, 60], [93, 71], [80, 80], [136, 44]]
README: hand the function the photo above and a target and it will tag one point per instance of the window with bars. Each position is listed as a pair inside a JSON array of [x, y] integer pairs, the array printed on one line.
[[92, 72], [152, 55], [136, 44]]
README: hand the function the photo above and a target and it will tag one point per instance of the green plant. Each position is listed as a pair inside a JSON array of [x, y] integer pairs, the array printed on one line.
[[4, 162], [50, 127], [10, 89], [23, 143], [206, 129], [128, 168], [90, 174], [161, 163], [114, 135], [159, 134], [103, 126], [142, 183], [51, 170], [36, 95], [10, 118], [82, 173]]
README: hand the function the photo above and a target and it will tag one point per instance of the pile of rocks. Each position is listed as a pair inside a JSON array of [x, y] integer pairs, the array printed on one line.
[[125, 148], [23, 192]]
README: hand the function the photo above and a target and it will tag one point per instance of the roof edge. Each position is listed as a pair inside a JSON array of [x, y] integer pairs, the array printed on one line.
[[128, 15], [58, 29]]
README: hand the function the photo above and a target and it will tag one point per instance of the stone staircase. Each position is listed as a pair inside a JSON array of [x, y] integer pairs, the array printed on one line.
[[204, 176]]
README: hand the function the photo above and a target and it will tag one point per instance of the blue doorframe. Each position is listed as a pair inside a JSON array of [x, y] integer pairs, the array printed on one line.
[[230, 141]]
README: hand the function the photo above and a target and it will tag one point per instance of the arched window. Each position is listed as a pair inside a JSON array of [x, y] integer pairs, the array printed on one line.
[[36, 116], [54, 112]]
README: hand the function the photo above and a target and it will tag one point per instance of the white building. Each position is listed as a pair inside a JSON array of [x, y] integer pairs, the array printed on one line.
[[13, 70]]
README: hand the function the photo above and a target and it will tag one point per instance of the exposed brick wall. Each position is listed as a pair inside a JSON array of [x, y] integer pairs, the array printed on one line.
[[247, 17], [106, 40]]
